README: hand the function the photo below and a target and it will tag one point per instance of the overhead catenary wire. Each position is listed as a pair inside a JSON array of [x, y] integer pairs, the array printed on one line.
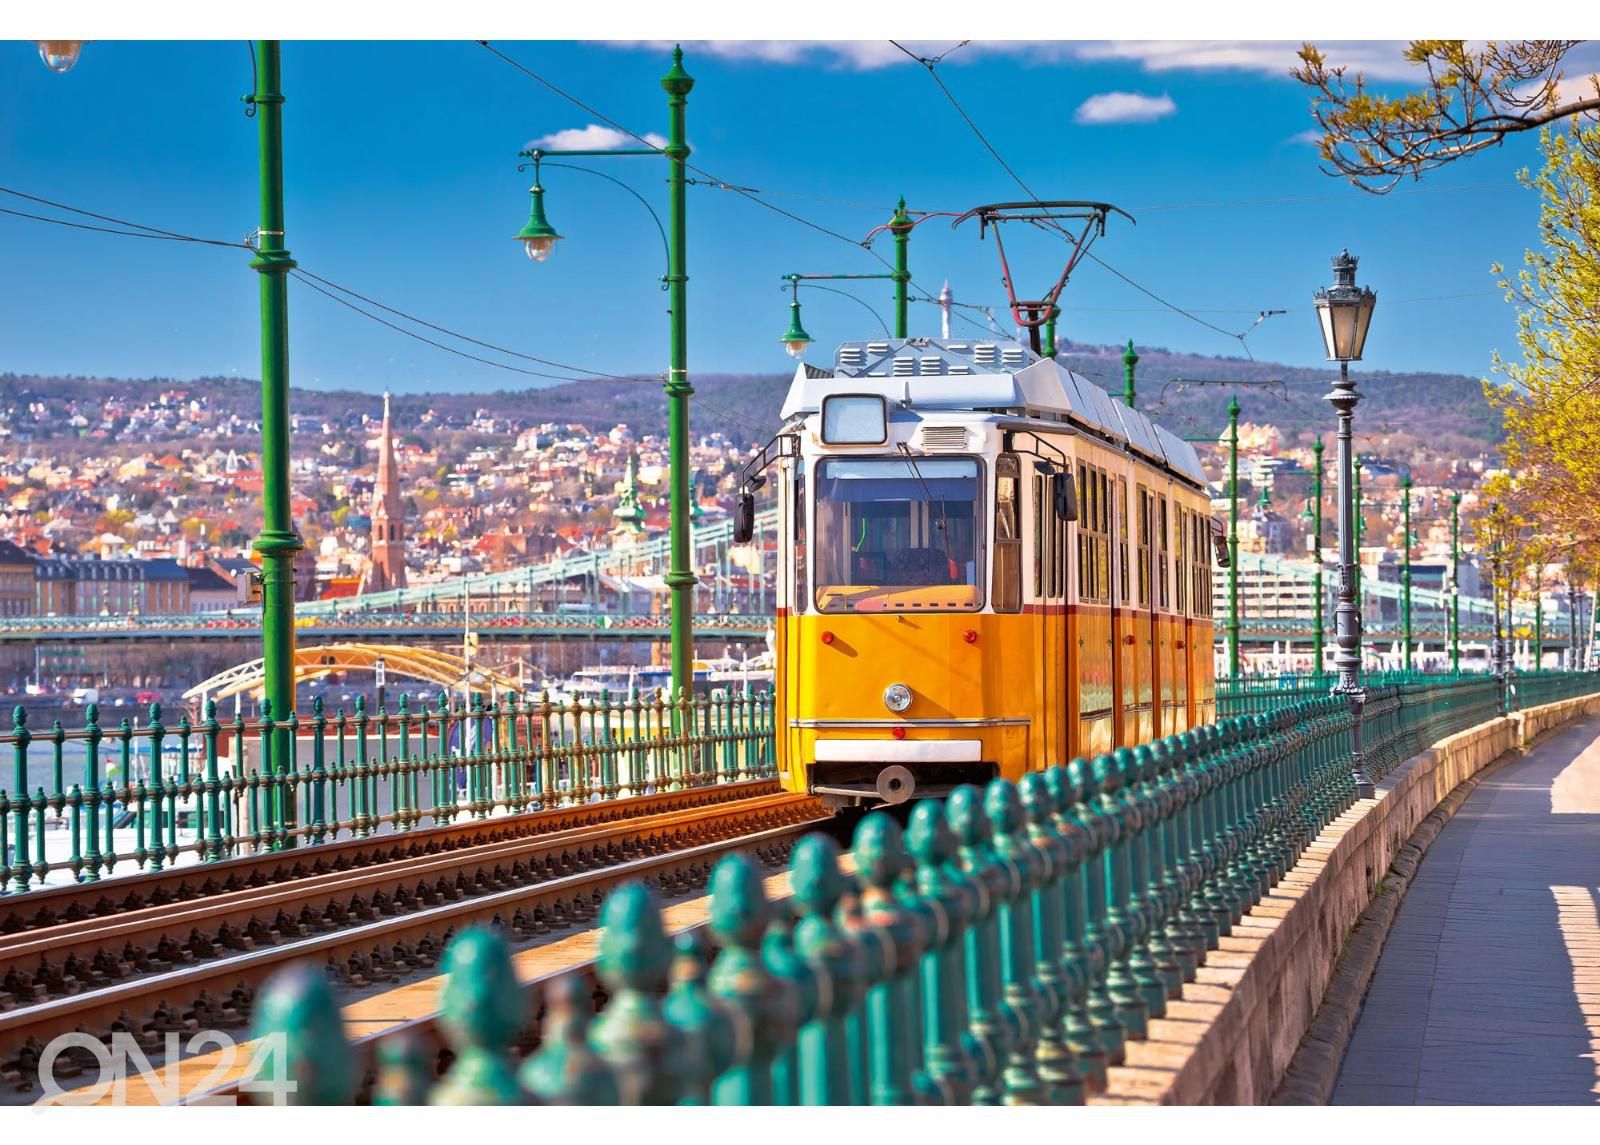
[[129, 229], [464, 337], [931, 66], [306, 280]]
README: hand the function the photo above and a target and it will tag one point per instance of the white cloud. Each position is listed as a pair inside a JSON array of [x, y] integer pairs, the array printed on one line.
[[1311, 135], [1124, 107], [593, 138], [1378, 59]]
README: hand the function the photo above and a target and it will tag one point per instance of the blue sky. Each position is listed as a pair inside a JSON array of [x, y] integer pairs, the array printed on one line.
[[402, 184]]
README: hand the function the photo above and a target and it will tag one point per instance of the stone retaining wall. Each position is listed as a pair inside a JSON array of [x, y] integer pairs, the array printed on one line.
[[1231, 1035]]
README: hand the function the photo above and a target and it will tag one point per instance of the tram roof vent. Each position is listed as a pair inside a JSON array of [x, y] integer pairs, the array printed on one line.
[[1013, 357], [985, 353], [932, 364], [854, 355], [960, 368], [877, 347], [942, 439], [904, 367]]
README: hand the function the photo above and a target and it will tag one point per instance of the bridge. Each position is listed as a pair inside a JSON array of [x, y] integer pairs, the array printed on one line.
[[1176, 923], [613, 595]]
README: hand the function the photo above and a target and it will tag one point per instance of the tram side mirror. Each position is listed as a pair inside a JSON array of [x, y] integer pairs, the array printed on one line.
[[1219, 543], [1066, 496], [744, 519]]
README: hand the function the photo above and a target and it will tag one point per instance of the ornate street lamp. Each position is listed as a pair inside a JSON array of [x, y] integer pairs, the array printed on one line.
[[539, 238], [279, 541], [60, 55], [795, 339], [1345, 312]]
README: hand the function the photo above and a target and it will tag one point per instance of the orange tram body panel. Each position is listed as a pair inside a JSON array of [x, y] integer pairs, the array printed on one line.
[[988, 566]]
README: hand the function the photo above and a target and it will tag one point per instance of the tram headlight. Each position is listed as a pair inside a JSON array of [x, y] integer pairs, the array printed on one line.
[[897, 698]]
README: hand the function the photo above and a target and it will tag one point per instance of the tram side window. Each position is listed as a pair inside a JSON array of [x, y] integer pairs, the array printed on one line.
[[1122, 540], [1180, 564], [1163, 534], [801, 593], [1144, 547], [1103, 541], [1199, 555], [1007, 535]]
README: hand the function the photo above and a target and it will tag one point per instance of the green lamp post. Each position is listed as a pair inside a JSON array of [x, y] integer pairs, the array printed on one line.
[[1316, 549], [900, 225], [278, 542], [1405, 574], [1129, 361], [1361, 521], [1233, 537], [1538, 616], [1455, 583], [1049, 344], [538, 238]]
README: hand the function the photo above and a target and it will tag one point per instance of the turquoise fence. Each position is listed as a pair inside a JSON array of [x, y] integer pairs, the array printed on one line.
[[1003, 949], [111, 799]]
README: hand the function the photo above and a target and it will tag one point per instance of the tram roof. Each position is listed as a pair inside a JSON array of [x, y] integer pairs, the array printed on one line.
[[985, 376]]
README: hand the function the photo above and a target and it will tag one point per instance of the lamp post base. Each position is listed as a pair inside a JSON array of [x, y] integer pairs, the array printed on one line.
[[1365, 787]]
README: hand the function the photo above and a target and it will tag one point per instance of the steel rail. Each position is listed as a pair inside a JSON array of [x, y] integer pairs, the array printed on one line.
[[51, 906], [218, 993]]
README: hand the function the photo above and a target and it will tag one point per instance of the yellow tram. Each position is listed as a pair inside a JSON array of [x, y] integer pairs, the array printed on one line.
[[987, 565]]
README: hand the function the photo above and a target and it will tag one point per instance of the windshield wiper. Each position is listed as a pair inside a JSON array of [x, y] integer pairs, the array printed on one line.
[[943, 523]]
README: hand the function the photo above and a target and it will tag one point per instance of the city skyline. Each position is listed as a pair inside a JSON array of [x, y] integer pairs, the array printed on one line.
[[417, 210]]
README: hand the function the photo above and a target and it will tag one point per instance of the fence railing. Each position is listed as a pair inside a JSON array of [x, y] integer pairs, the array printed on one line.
[[93, 801], [1004, 949]]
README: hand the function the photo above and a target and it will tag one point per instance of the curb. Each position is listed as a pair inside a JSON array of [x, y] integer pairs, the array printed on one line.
[[1312, 1073]]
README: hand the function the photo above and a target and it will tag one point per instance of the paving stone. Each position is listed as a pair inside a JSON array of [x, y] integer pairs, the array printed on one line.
[[1488, 990]]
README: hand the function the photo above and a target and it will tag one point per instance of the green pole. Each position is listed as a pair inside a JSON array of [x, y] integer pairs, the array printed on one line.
[[1129, 361], [278, 542], [1233, 537], [1455, 583], [1360, 524], [1538, 616], [1316, 513], [900, 225], [1050, 332], [1405, 574], [680, 580]]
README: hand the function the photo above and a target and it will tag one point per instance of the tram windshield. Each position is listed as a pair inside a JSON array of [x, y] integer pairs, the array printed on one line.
[[898, 534]]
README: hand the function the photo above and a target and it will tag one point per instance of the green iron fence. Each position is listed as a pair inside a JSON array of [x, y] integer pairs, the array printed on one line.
[[108, 800], [1003, 949]]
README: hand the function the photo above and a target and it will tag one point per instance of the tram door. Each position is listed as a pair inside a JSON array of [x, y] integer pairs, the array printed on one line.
[[1050, 594]]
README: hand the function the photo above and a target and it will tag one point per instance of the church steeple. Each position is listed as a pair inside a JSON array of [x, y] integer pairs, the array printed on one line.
[[388, 567], [629, 514]]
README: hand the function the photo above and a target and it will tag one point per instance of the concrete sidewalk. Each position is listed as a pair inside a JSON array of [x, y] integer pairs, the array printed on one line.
[[1488, 989]]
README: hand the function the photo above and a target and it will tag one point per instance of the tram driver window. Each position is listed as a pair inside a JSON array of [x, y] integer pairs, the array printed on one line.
[[898, 535]]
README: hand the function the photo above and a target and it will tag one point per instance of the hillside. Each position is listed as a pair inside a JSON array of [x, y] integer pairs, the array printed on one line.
[[1449, 408]]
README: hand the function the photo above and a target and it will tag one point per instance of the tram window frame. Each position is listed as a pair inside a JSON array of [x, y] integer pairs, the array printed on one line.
[[1181, 560], [1164, 539], [1103, 541], [802, 592], [1040, 512], [1143, 546], [1007, 538], [1121, 522]]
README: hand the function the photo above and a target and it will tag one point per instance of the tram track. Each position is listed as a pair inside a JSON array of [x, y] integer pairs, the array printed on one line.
[[151, 972], [51, 906]]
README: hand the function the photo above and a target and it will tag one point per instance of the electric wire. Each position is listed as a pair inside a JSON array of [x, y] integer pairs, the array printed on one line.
[[307, 281], [463, 337], [135, 230]]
